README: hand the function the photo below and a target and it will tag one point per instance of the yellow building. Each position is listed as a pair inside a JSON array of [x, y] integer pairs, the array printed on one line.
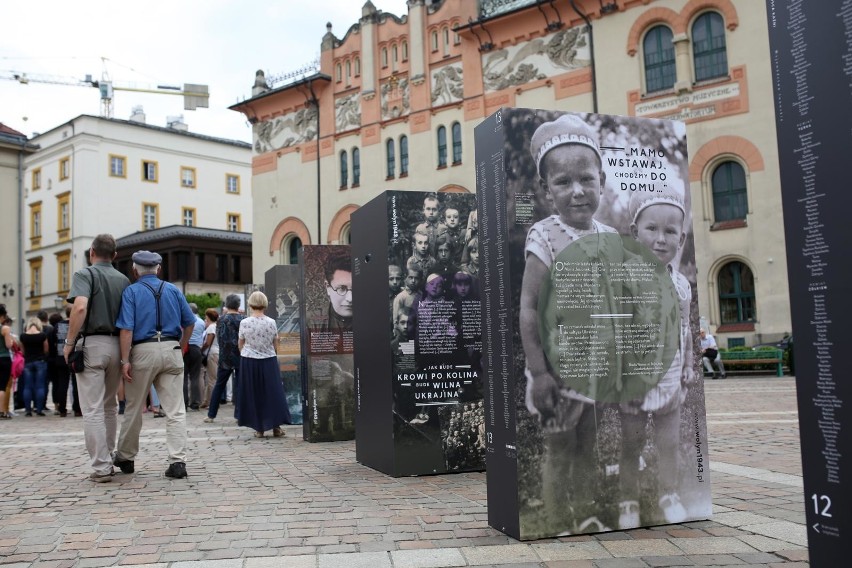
[[394, 102]]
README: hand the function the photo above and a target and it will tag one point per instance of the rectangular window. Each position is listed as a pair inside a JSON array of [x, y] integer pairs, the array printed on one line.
[[63, 215], [182, 259], [35, 224], [117, 166], [150, 216], [63, 270], [36, 179], [220, 267], [188, 216], [187, 177], [35, 279], [64, 168], [199, 266], [149, 170], [233, 222], [232, 183]]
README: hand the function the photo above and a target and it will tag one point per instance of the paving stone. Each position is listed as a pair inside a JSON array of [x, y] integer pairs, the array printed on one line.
[[570, 551], [427, 558], [356, 560], [644, 547], [499, 554], [711, 545]]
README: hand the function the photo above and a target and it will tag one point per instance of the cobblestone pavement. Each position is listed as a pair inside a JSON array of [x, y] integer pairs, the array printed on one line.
[[281, 502]]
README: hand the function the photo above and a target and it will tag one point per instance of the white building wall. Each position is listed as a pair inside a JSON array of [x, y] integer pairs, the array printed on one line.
[[100, 203]]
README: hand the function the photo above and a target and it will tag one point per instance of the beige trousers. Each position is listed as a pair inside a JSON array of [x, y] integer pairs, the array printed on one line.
[[96, 387], [160, 364]]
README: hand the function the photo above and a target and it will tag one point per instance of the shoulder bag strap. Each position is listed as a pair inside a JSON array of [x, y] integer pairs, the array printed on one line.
[[88, 307]]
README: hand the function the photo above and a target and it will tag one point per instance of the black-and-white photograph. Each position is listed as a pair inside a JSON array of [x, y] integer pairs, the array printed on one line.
[[434, 313], [609, 397]]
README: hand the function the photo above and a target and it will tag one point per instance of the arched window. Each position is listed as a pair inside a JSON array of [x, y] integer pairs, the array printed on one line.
[[405, 50], [346, 234], [356, 167], [730, 200], [394, 53], [384, 57], [659, 59], [434, 41], [403, 155], [338, 72], [357, 66], [348, 70], [292, 252], [736, 294], [344, 170], [708, 47], [391, 159], [457, 143], [442, 146]]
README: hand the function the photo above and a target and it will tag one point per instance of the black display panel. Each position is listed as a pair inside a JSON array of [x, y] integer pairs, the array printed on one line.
[[811, 47], [416, 267], [595, 415]]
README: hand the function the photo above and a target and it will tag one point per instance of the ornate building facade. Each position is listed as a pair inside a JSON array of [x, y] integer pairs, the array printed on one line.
[[395, 100]]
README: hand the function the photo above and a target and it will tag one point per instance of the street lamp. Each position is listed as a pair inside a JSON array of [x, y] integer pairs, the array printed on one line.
[[59, 303]]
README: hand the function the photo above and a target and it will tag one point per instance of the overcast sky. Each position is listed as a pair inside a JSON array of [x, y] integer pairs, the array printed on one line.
[[221, 43]]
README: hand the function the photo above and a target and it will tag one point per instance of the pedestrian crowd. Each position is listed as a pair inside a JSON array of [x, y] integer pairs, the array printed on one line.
[[144, 348]]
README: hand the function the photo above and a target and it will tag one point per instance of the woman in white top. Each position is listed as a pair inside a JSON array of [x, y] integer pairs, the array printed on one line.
[[261, 403], [210, 352]]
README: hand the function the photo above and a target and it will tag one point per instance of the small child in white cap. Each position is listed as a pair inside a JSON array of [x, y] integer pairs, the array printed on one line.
[[569, 164], [657, 222]]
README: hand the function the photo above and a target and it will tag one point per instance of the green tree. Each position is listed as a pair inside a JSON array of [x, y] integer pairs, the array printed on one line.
[[205, 301]]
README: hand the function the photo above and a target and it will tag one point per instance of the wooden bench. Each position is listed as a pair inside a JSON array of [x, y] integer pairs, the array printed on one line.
[[755, 358]]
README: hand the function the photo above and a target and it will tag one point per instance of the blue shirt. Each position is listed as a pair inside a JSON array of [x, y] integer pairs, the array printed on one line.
[[197, 332], [139, 309]]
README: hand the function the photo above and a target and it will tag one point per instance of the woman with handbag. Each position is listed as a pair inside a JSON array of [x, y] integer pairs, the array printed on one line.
[[6, 354]]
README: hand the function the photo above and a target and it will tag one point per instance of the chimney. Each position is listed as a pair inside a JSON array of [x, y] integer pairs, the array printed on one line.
[[176, 123], [137, 114]]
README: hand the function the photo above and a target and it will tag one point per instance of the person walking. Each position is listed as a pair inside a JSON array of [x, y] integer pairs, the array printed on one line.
[[155, 323], [227, 335], [261, 403], [192, 363], [95, 298]]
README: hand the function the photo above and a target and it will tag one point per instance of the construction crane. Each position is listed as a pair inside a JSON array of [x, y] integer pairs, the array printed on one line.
[[194, 96]]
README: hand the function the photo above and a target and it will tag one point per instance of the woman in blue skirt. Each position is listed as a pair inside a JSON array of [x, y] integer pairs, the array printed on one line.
[[261, 404]]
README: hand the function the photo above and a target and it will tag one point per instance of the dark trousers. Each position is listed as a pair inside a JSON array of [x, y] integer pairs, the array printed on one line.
[[192, 376], [222, 375], [61, 379]]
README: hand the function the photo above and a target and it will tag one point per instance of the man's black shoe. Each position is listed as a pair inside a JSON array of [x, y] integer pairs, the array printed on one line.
[[126, 466], [176, 470]]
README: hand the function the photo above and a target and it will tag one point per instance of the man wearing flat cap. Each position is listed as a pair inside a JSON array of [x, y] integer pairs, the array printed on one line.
[[156, 323], [95, 298]]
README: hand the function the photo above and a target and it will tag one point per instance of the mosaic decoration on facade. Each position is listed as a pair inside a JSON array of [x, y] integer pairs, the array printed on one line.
[[285, 131], [534, 60], [447, 85], [489, 8], [347, 112], [395, 94]]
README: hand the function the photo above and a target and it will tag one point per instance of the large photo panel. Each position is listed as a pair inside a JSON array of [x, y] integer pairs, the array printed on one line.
[[283, 288], [328, 383], [596, 413], [436, 345]]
